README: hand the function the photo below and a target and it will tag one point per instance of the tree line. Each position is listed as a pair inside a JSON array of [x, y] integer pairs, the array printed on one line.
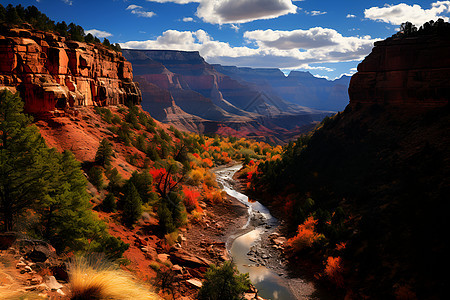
[[18, 15]]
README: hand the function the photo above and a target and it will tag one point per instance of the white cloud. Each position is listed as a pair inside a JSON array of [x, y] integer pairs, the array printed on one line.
[[139, 11], [400, 13], [317, 13], [349, 16], [188, 19], [68, 2], [238, 11], [98, 33], [235, 27], [307, 67], [299, 48], [321, 76], [312, 38], [243, 11]]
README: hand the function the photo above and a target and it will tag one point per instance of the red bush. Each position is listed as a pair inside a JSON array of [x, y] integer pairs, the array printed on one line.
[[333, 270], [191, 199], [306, 235]]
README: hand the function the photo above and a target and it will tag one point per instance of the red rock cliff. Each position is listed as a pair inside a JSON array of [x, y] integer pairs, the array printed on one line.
[[414, 70], [52, 73]]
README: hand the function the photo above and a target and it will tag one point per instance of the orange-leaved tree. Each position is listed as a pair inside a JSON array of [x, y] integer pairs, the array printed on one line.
[[334, 269], [306, 235]]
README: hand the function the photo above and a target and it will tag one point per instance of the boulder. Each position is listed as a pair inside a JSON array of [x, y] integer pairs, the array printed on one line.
[[51, 282], [195, 282], [184, 258]]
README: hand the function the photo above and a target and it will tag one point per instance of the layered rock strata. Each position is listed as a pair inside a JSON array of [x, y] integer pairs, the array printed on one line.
[[413, 70], [53, 73], [182, 89]]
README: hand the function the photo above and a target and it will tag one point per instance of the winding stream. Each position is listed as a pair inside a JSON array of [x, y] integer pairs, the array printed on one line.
[[269, 284]]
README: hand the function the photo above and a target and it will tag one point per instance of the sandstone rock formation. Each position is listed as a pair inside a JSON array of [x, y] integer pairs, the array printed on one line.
[[52, 73], [412, 70]]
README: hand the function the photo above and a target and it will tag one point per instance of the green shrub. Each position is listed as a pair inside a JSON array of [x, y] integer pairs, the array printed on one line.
[[109, 203], [104, 153], [224, 283], [96, 177], [131, 204]]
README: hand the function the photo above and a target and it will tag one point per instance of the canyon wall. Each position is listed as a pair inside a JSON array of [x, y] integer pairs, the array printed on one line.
[[52, 73], [411, 70], [181, 88]]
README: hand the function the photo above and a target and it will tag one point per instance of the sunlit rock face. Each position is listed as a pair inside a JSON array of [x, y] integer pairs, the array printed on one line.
[[52, 73], [181, 88], [414, 70]]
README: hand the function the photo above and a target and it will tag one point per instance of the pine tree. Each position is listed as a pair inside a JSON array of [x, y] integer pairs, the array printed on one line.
[[115, 181], [23, 177], [96, 177], [131, 204], [104, 153], [224, 283], [165, 220], [109, 203], [12, 17], [89, 38], [143, 183], [66, 218]]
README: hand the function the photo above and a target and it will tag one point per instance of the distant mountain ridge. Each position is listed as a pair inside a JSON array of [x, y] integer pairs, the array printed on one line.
[[301, 88], [179, 87]]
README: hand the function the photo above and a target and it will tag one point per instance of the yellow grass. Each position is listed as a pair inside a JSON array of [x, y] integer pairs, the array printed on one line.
[[94, 279]]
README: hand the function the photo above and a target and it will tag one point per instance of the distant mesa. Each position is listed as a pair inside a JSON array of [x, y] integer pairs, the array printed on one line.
[[179, 87]]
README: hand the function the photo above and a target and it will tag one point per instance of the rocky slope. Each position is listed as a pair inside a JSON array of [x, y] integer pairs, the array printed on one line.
[[181, 88], [53, 73]]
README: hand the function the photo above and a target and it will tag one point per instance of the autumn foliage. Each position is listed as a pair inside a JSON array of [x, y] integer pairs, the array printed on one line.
[[306, 235], [191, 199], [212, 195], [333, 270]]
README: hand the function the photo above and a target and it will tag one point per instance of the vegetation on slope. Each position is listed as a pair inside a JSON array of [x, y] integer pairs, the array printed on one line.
[[43, 192], [365, 195], [167, 177], [175, 167]]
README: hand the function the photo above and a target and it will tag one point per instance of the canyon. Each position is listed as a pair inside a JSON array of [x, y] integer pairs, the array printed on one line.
[[181, 88]]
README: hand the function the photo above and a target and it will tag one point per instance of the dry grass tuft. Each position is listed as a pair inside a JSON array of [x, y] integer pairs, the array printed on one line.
[[92, 278]]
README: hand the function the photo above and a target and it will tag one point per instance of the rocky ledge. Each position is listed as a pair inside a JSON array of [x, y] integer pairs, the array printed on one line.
[[53, 73], [399, 71]]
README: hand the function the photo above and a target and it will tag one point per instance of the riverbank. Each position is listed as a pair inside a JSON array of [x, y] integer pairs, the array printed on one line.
[[269, 252], [213, 235]]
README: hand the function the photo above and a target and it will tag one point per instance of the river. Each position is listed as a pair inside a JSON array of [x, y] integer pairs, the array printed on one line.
[[269, 284]]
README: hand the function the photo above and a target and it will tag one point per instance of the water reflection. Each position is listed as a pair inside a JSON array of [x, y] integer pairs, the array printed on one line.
[[269, 284]]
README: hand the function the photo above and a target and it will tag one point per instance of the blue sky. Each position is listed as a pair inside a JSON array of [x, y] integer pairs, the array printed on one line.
[[328, 38]]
